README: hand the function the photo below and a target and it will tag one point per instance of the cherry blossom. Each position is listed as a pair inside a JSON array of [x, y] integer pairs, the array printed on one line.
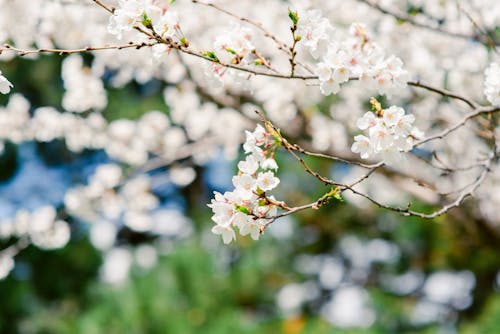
[[389, 134], [248, 205]]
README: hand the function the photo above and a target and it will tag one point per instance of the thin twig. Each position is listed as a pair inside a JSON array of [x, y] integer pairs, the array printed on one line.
[[23, 52]]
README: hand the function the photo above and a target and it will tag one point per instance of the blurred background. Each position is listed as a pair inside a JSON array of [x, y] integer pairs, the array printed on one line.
[[335, 270]]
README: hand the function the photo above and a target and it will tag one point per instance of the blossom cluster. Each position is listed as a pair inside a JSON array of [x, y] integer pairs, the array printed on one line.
[[354, 57], [390, 132], [84, 89], [492, 84], [148, 13], [125, 140], [233, 45], [110, 197], [248, 207], [41, 227]]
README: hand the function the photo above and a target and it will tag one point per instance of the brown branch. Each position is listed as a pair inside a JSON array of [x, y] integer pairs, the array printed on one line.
[[406, 18], [106, 7], [61, 52], [447, 131], [443, 92]]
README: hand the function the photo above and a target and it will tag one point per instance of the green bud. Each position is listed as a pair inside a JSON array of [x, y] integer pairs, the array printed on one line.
[[243, 209], [146, 21], [228, 49], [293, 16], [211, 55]]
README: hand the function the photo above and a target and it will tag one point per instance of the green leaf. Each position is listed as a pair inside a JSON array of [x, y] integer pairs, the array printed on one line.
[[228, 49], [211, 55], [333, 193], [243, 209], [293, 16], [146, 21]]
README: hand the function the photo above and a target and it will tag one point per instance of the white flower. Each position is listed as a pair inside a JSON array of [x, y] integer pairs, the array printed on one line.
[[404, 126], [269, 163], [368, 120], [244, 184], [316, 32], [5, 85], [160, 52], [249, 165], [130, 13], [226, 231], [393, 115], [223, 211], [492, 84], [323, 71], [329, 86], [252, 227], [234, 43], [267, 181], [362, 146], [380, 137]]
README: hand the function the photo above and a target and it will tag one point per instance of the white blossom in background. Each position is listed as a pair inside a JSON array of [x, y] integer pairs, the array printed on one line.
[[450, 288], [492, 84], [6, 265], [84, 89], [116, 267], [5, 85], [246, 207], [109, 198], [390, 132], [41, 227], [349, 307], [291, 297]]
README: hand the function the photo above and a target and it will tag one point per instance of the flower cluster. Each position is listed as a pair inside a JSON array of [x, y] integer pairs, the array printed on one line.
[[5, 85], [109, 197], [148, 13], [84, 89], [41, 226], [390, 132], [316, 32], [233, 46], [492, 84], [354, 57], [248, 207]]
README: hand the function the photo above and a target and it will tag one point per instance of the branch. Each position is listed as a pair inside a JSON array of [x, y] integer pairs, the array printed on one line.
[[61, 52], [444, 92], [444, 133], [406, 18]]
